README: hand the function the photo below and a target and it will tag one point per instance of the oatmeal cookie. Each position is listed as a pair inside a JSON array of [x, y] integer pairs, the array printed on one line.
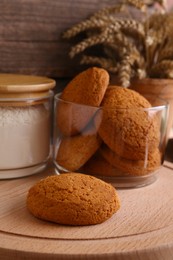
[[125, 125], [79, 100], [149, 164], [73, 152], [73, 199], [99, 166]]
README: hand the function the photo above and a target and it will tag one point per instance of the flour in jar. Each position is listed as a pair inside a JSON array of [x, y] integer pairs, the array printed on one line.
[[24, 136]]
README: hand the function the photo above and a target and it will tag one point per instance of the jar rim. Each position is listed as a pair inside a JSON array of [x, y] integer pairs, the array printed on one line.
[[27, 100], [164, 104]]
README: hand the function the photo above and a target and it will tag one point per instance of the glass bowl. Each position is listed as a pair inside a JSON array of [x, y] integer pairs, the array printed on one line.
[[122, 146]]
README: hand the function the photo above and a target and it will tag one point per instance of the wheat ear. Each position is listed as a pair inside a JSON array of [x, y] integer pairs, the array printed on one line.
[[105, 63]]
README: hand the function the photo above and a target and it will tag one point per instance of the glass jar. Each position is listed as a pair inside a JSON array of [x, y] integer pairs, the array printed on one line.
[[25, 124]]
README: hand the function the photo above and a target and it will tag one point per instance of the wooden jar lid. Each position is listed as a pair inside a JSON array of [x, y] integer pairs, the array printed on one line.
[[14, 88], [22, 84]]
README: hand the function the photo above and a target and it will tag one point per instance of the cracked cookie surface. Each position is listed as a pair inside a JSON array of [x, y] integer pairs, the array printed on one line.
[[73, 199], [126, 126]]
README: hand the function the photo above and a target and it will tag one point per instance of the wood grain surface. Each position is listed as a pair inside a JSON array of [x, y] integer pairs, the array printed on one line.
[[30, 35], [141, 230]]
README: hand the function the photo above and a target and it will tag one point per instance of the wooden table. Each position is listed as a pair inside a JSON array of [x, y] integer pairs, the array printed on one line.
[[142, 229]]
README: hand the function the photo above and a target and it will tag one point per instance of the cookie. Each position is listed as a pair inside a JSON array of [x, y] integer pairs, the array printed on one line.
[[73, 199], [125, 125], [80, 99], [75, 151], [99, 166], [143, 167]]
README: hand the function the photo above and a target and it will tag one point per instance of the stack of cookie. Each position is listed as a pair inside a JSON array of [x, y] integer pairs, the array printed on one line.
[[105, 130]]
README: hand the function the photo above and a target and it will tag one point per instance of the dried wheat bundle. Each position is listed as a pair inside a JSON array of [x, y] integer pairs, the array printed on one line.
[[166, 53], [108, 10], [108, 64], [163, 69], [83, 26], [159, 45], [130, 47]]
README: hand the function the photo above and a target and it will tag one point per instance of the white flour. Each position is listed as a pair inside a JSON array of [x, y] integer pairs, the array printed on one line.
[[24, 136]]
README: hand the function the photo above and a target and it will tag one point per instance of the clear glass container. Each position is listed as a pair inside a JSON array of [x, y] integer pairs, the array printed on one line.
[[25, 124], [123, 146]]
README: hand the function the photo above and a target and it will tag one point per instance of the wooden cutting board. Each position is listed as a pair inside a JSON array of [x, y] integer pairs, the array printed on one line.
[[142, 229]]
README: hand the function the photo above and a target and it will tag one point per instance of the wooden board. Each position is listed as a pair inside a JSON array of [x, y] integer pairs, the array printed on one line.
[[31, 35], [142, 229]]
